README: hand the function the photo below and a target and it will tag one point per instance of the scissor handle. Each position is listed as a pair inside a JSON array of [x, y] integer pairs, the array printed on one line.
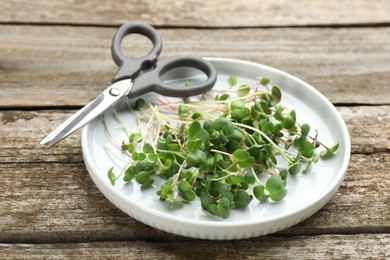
[[131, 67], [151, 81]]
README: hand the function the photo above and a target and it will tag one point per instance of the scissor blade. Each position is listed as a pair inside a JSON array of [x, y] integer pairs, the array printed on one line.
[[106, 99]]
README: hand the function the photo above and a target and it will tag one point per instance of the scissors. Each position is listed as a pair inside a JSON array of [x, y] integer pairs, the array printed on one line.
[[135, 77]]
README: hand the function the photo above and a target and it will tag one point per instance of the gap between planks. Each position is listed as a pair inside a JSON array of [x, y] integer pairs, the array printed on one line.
[[206, 27]]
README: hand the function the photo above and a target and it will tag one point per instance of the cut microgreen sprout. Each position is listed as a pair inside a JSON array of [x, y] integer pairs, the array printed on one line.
[[255, 176], [214, 148], [112, 140], [279, 149], [118, 118]]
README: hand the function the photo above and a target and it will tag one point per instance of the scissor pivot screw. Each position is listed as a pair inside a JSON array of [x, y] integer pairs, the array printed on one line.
[[114, 92]]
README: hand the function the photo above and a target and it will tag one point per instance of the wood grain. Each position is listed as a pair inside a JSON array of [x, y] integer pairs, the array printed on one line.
[[369, 128], [69, 66], [219, 13], [47, 195], [365, 246], [57, 202], [55, 57]]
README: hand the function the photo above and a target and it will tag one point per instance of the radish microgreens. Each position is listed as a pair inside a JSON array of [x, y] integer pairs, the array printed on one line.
[[216, 146]]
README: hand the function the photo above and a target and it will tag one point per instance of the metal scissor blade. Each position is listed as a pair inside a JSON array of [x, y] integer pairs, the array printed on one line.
[[106, 99]]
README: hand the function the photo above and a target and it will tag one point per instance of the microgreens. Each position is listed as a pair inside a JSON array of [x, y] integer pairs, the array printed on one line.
[[215, 149]]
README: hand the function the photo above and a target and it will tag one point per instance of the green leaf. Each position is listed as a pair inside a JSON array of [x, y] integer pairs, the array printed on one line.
[[135, 137], [206, 200], [144, 178], [275, 188], [223, 208], [152, 157], [305, 129], [129, 174], [283, 173], [195, 131], [220, 140], [243, 90], [264, 105], [264, 81], [288, 122], [315, 158], [183, 111], [166, 189], [196, 157], [213, 189], [276, 95], [329, 152], [267, 127], [213, 209], [298, 142], [293, 114], [209, 165], [240, 114], [186, 190], [259, 193], [186, 175], [196, 116], [228, 129], [174, 147], [220, 123], [208, 126], [237, 135], [244, 159], [294, 168], [218, 157], [249, 178], [224, 97], [111, 176], [237, 104], [139, 104], [235, 179], [184, 186], [271, 155], [167, 164], [307, 149], [278, 115], [148, 149], [195, 145], [189, 195], [241, 198], [201, 155], [138, 156], [232, 80]]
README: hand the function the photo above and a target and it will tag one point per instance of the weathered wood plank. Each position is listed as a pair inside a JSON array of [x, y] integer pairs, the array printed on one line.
[[370, 246], [73, 209], [69, 66], [21, 132], [219, 13], [369, 128], [58, 202]]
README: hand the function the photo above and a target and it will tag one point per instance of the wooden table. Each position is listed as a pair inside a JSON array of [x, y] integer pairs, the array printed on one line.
[[55, 57]]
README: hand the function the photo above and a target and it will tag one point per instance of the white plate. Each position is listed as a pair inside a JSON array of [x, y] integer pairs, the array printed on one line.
[[307, 193]]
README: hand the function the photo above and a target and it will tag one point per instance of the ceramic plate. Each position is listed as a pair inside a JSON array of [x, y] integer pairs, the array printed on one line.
[[307, 193]]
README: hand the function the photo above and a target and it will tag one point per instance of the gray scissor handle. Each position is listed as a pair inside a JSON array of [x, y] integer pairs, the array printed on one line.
[[151, 81], [131, 67]]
